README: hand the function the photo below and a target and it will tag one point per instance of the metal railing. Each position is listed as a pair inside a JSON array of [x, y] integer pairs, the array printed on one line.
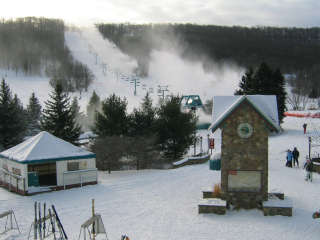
[[81, 173]]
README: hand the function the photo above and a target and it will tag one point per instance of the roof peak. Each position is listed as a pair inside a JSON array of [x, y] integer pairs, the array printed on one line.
[[266, 105], [44, 146]]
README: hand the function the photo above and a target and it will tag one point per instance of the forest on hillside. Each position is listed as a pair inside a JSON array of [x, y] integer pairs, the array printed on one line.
[[36, 46], [293, 50]]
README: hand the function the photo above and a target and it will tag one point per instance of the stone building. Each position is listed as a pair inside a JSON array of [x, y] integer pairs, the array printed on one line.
[[245, 123]]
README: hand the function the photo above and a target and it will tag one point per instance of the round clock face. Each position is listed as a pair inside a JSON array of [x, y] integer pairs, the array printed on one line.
[[245, 130]]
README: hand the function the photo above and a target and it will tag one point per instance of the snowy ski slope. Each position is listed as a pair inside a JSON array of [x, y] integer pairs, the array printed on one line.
[[114, 72]]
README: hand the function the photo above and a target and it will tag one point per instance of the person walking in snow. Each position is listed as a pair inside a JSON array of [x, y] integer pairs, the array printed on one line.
[[309, 167], [304, 128], [295, 155], [289, 158]]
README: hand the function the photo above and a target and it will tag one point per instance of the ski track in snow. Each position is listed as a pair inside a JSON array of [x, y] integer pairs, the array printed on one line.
[[163, 204]]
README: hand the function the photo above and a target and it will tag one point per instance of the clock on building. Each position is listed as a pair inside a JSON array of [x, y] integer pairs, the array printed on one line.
[[244, 130]]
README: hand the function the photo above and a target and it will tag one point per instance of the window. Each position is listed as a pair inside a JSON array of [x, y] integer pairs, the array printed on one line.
[[16, 171], [5, 166], [73, 166]]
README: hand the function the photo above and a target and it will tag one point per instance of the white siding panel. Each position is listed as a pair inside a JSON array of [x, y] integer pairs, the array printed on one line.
[[74, 178]]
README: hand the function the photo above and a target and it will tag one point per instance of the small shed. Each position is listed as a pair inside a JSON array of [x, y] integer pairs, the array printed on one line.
[[245, 123], [45, 161]]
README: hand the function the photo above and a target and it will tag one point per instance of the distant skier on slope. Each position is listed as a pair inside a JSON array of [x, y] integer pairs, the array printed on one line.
[[304, 128], [289, 158], [309, 167], [295, 155]]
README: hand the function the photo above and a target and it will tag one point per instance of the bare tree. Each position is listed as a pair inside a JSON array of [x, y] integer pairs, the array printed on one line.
[[297, 100]]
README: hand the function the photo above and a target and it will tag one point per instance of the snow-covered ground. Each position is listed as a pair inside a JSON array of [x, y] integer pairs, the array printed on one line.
[[163, 204]]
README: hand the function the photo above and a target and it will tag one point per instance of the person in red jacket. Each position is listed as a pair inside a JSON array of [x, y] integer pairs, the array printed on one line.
[[304, 128]]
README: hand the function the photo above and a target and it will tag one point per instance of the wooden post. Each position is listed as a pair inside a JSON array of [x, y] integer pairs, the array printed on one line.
[[35, 221], [24, 186], [93, 225]]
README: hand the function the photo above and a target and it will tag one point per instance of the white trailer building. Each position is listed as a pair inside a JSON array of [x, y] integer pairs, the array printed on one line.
[[45, 162]]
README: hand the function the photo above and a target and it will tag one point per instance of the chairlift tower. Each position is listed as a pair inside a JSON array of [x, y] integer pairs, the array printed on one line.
[[162, 90], [136, 81]]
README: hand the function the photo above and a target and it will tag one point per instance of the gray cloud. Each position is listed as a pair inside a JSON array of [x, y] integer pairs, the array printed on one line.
[[300, 13]]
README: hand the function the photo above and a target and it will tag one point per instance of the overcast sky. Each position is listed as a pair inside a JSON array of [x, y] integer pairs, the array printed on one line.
[[300, 13]]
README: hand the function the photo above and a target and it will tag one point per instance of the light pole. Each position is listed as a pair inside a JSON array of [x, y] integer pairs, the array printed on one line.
[[309, 148], [208, 142]]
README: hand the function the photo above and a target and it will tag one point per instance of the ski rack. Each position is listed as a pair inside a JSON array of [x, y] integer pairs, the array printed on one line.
[[47, 224], [10, 216]]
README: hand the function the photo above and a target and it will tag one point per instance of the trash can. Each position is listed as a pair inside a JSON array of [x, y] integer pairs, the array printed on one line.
[[215, 164]]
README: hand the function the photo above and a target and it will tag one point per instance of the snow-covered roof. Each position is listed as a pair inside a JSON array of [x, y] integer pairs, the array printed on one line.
[[266, 105], [45, 147]]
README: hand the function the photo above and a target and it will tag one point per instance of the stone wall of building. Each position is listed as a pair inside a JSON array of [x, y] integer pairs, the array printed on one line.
[[244, 154]]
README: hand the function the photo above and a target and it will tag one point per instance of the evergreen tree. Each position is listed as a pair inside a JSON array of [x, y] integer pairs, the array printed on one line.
[[265, 81], [113, 120], [79, 116], [12, 118], [59, 118], [247, 84], [142, 120], [34, 115], [175, 129], [93, 106], [280, 92]]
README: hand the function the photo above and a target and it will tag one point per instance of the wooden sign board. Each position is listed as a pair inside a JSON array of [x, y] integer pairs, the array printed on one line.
[[244, 181]]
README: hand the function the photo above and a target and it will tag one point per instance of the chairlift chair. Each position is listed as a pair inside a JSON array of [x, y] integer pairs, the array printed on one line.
[[191, 102]]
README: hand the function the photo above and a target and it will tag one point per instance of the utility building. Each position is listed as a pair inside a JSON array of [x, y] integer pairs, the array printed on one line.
[[45, 163]]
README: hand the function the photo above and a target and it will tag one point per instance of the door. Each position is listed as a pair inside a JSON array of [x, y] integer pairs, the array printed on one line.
[[33, 179]]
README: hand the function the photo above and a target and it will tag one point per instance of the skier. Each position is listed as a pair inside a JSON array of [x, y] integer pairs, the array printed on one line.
[[304, 128], [289, 159], [295, 154], [309, 167]]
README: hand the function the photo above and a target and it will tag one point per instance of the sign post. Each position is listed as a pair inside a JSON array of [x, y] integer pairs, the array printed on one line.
[[211, 144], [310, 148]]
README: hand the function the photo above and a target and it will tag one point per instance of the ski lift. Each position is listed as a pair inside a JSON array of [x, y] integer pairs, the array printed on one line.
[[191, 102]]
